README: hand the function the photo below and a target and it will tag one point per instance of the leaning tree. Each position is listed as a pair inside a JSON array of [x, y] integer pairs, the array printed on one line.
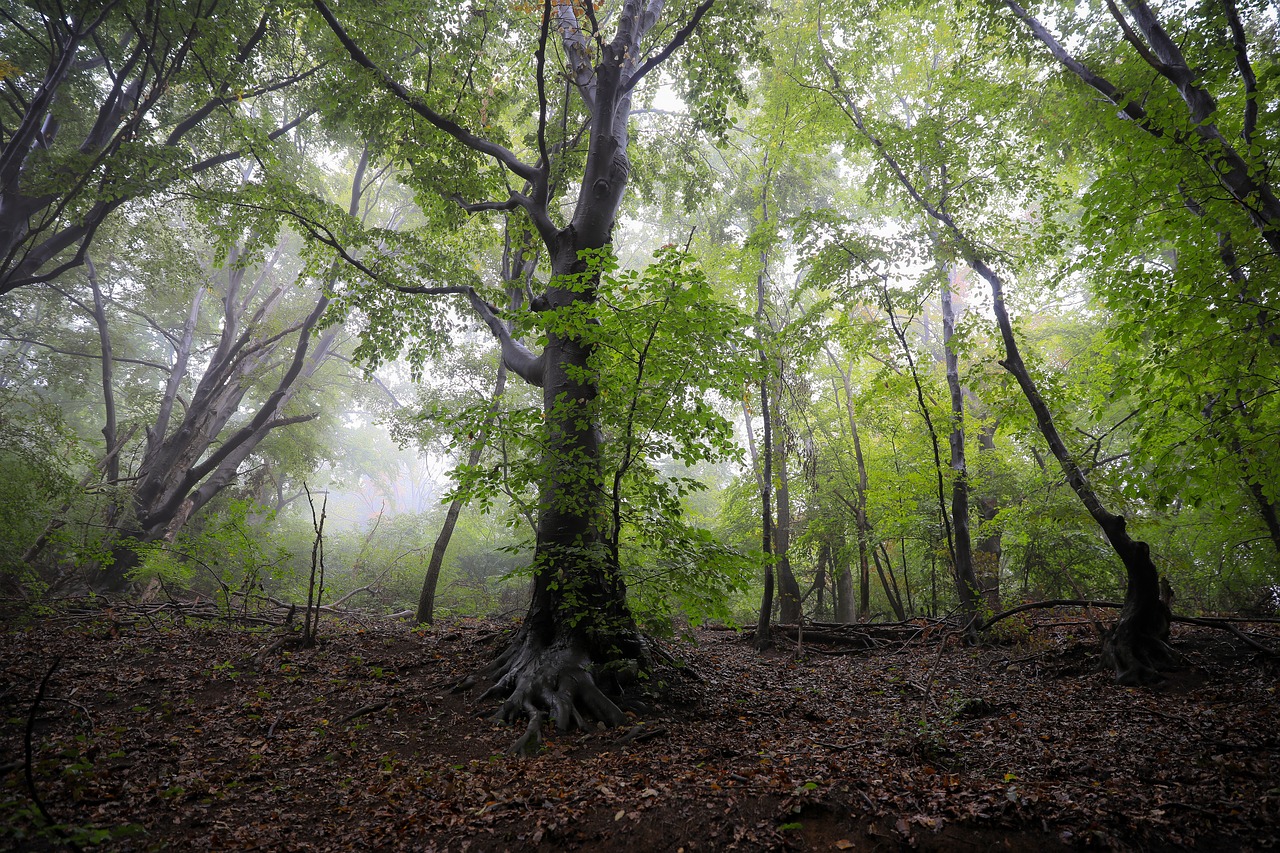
[[579, 642]]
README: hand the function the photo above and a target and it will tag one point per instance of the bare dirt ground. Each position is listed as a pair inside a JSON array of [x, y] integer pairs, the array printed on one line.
[[171, 733]]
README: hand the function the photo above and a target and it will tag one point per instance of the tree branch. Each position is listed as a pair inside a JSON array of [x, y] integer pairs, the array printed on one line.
[[1241, 46], [519, 359], [661, 56], [1095, 81], [476, 143]]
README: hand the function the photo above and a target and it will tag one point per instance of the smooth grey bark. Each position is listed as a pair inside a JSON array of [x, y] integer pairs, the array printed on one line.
[[109, 428], [764, 333]]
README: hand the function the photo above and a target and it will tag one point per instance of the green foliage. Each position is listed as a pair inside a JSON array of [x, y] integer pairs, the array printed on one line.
[[667, 350], [39, 457], [226, 554]]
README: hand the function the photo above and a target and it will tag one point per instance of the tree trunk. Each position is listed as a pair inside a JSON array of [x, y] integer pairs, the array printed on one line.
[[789, 612], [427, 598], [578, 640], [820, 579], [846, 609], [763, 635], [517, 267], [1137, 648], [578, 636], [860, 508], [185, 466], [989, 550], [966, 581], [890, 591]]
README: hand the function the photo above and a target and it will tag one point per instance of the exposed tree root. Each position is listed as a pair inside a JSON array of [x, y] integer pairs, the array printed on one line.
[[1137, 656], [538, 682]]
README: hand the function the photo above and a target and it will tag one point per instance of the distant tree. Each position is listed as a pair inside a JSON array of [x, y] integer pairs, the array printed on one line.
[[227, 377], [937, 185]]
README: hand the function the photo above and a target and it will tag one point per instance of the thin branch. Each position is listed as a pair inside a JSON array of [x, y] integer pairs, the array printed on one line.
[[661, 56], [93, 355], [1241, 45], [476, 143], [518, 358]]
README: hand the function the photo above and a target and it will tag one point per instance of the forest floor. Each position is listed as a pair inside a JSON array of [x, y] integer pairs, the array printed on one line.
[[174, 733]]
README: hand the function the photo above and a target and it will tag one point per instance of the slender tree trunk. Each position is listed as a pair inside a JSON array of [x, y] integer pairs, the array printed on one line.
[[1137, 647], [967, 598], [820, 577], [860, 508], [764, 637], [846, 609], [427, 598], [989, 550], [788, 588], [518, 266], [966, 581], [890, 584]]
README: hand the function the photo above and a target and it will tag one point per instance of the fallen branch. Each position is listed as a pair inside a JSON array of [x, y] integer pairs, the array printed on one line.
[[1222, 623], [858, 636], [1052, 602], [367, 709], [641, 733], [29, 759]]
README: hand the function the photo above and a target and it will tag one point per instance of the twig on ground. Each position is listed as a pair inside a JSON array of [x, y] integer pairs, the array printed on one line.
[[367, 709], [29, 760]]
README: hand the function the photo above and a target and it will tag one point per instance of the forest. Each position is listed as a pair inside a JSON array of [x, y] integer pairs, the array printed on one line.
[[628, 424]]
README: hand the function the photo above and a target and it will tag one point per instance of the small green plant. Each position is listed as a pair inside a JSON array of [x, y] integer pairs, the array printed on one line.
[[227, 668]]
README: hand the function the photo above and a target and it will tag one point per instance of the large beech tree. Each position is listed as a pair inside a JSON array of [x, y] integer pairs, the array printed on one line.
[[579, 640]]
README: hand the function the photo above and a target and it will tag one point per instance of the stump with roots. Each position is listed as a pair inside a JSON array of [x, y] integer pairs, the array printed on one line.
[[560, 680], [1137, 648]]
